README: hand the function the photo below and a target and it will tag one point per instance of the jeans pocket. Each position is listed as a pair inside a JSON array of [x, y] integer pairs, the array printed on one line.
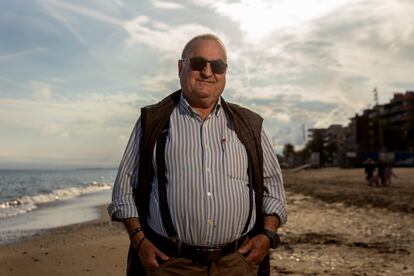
[[243, 258]]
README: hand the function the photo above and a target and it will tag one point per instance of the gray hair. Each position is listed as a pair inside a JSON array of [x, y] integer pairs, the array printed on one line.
[[188, 47]]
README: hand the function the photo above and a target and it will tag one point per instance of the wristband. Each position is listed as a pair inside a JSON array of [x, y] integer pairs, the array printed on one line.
[[134, 232]]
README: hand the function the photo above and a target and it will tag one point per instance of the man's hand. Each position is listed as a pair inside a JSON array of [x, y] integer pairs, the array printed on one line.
[[148, 253], [258, 246]]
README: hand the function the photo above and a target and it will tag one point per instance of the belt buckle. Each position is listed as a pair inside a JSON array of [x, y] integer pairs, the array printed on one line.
[[208, 255]]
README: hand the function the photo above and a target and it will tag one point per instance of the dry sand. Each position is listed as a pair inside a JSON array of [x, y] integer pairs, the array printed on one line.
[[94, 248], [337, 226]]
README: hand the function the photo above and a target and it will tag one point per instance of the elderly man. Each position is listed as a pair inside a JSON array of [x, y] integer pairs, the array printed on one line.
[[199, 187]]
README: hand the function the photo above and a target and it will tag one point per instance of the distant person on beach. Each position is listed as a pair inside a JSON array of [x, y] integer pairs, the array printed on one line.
[[369, 167], [199, 188], [382, 172], [388, 173]]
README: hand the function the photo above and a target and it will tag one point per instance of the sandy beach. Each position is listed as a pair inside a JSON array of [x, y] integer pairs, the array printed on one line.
[[98, 247], [337, 226]]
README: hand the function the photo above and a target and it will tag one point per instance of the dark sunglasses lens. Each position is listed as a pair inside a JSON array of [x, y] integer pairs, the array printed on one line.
[[197, 64], [217, 66]]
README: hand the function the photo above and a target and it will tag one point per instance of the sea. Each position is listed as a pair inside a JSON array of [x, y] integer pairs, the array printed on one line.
[[32, 201]]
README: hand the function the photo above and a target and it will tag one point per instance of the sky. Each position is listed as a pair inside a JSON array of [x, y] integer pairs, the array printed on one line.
[[74, 74]]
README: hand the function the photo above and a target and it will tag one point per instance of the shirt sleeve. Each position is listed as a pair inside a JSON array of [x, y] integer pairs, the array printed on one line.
[[123, 204], [274, 194]]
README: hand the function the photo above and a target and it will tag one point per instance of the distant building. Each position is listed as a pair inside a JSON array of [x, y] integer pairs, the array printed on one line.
[[363, 132], [334, 144], [385, 131], [397, 118], [316, 137], [316, 144], [328, 144], [387, 128]]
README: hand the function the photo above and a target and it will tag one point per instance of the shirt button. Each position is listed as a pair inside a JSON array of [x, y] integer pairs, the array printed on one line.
[[209, 221], [209, 194]]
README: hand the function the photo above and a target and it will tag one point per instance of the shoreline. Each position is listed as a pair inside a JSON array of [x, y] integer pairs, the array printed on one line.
[[102, 221], [98, 246], [84, 208]]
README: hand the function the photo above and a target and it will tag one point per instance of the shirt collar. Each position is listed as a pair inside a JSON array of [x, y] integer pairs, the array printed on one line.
[[185, 107]]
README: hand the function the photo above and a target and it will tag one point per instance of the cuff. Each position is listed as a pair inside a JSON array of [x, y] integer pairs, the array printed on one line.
[[275, 207], [119, 212]]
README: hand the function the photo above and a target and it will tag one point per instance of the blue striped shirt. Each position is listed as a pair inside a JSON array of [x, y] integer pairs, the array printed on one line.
[[207, 172]]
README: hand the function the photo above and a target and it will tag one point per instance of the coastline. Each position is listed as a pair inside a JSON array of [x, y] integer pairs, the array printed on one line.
[[97, 247], [56, 214]]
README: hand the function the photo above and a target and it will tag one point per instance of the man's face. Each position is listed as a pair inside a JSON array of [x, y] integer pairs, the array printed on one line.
[[202, 87]]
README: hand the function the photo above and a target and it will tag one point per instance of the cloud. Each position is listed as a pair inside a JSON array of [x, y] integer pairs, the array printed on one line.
[[166, 5], [140, 30], [80, 115], [14, 83], [71, 22], [258, 19], [87, 129], [288, 109], [54, 129], [41, 90], [298, 63], [331, 67], [92, 13], [22, 53], [118, 2], [161, 82], [158, 35]]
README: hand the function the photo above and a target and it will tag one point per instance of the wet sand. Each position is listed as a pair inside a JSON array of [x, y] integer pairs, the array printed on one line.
[[98, 247], [337, 226]]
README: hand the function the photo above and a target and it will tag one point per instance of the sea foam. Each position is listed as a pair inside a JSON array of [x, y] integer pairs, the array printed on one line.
[[26, 204]]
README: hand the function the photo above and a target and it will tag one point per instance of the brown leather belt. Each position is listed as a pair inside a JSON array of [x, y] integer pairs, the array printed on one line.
[[198, 254]]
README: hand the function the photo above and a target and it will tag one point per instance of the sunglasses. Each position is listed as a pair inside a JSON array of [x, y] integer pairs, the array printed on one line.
[[198, 64]]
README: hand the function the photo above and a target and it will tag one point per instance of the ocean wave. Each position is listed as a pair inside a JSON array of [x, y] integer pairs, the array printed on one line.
[[28, 203]]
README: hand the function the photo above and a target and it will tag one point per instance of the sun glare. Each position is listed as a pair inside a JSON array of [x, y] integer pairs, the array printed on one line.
[[260, 18]]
